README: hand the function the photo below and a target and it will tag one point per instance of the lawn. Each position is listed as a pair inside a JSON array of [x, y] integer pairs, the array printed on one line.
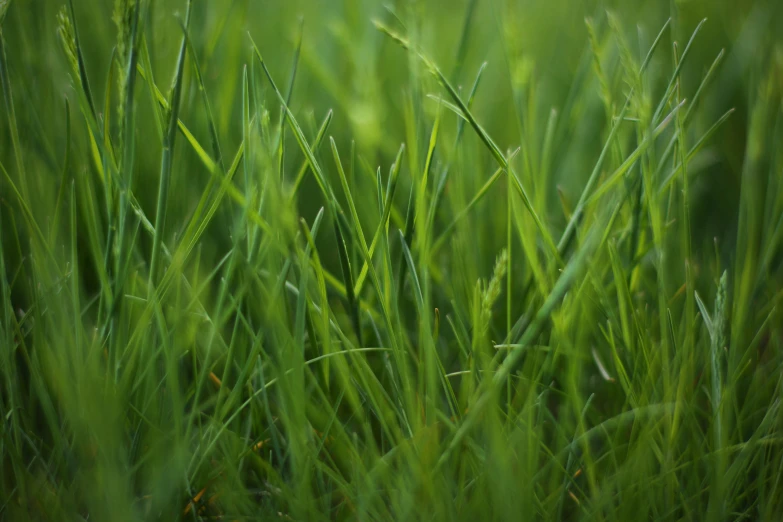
[[416, 260]]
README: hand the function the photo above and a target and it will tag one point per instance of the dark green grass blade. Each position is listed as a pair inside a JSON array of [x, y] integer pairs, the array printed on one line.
[[85, 84], [168, 151]]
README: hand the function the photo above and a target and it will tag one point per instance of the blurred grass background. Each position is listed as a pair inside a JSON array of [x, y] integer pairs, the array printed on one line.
[[182, 427], [349, 67]]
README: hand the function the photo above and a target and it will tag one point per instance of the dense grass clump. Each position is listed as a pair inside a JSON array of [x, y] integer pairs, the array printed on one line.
[[471, 260]]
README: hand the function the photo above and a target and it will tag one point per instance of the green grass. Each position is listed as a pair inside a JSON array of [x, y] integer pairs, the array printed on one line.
[[473, 260]]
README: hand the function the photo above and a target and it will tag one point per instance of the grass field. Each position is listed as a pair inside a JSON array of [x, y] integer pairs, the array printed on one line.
[[422, 260]]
